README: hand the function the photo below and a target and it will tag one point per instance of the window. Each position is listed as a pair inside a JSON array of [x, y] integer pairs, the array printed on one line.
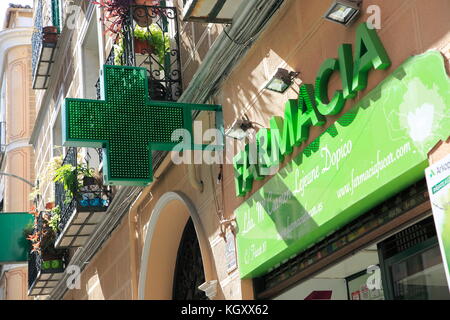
[[90, 59], [412, 265]]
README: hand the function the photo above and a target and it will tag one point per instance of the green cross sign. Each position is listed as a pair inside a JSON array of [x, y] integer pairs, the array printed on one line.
[[127, 124]]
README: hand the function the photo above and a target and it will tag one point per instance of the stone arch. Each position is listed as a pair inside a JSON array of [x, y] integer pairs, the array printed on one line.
[[159, 255]]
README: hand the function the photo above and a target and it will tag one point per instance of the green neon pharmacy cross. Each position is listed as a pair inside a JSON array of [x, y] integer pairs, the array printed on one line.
[[127, 124]]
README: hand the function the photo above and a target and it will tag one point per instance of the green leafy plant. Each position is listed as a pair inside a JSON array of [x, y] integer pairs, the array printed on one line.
[[71, 177], [42, 235], [55, 218], [46, 176], [159, 41], [28, 230]]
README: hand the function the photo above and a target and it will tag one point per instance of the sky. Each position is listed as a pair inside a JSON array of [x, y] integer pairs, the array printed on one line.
[[4, 4]]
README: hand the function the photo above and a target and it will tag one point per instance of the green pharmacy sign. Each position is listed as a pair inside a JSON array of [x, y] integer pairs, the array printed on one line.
[[128, 125], [310, 108], [373, 151]]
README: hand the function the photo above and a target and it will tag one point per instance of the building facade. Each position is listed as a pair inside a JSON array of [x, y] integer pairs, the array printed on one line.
[[226, 227], [17, 155]]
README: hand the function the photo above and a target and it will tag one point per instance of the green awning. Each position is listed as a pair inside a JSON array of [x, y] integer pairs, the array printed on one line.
[[13, 245]]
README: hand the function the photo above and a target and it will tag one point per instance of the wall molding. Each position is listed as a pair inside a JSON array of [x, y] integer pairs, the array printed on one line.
[[205, 247]]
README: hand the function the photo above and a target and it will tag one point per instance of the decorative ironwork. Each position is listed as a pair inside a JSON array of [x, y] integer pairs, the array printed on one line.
[[100, 154], [43, 42], [110, 62], [91, 198], [408, 238], [36, 38], [60, 193], [189, 273], [45, 268], [151, 40]]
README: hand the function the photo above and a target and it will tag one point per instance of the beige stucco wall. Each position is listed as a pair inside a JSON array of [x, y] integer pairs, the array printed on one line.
[[20, 116], [297, 39], [14, 283], [107, 276]]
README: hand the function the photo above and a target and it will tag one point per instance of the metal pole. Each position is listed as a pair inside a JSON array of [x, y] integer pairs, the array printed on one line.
[[17, 177]]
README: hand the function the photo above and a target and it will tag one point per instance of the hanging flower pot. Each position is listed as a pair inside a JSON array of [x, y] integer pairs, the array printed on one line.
[[143, 15], [49, 34], [143, 46]]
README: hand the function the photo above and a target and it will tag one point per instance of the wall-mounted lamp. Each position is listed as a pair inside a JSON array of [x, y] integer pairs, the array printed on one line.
[[281, 80], [343, 12], [239, 128]]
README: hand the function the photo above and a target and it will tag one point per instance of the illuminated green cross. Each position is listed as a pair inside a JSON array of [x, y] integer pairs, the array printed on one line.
[[127, 124]]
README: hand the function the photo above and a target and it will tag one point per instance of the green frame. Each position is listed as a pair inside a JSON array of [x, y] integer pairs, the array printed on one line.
[[187, 120], [385, 264], [353, 277]]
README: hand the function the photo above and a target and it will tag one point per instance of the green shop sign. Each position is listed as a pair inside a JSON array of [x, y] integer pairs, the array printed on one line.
[[128, 125], [310, 108], [376, 149]]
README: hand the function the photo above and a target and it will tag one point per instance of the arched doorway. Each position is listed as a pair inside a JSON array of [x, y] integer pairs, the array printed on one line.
[[174, 230], [189, 268]]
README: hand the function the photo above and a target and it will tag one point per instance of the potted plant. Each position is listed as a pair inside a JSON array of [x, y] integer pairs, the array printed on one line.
[[148, 40], [50, 34], [115, 13], [83, 185], [71, 178], [43, 237]]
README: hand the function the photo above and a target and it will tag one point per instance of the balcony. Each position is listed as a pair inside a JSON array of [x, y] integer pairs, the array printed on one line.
[[80, 214], [45, 266], [149, 39], [44, 42]]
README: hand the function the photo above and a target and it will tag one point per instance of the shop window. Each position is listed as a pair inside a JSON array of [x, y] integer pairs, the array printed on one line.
[[365, 285], [412, 265]]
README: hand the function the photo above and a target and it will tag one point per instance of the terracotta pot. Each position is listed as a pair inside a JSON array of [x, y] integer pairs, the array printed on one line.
[[49, 205], [143, 16], [50, 34], [143, 46]]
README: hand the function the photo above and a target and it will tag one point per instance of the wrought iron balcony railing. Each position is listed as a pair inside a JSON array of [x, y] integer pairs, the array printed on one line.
[[150, 39], [80, 215], [43, 41], [45, 267]]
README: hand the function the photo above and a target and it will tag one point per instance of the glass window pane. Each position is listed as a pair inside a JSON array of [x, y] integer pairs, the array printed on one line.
[[420, 277]]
